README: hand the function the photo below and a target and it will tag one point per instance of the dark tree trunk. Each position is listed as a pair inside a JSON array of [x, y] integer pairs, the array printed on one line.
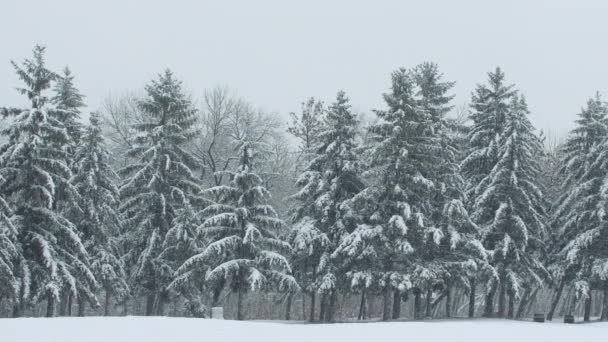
[[556, 298], [604, 315], [417, 303], [386, 311], [150, 299], [331, 307], [50, 306], [240, 315], [70, 298], [125, 306], [362, 306], [501, 302], [63, 305], [108, 301], [81, 306], [429, 301], [313, 303], [511, 308], [489, 304], [396, 304], [448, 300], [17, 310], [288, 307], [161, 299], [523, 303], [587, 313], [472, 298], [323, 307]]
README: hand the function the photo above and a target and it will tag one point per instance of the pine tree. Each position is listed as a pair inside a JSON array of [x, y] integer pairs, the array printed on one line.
[[452, 253], [244, 251], [489, 110], [69, 101], [323, 215], [157, 185], [511, 209], [396, 205], [33, 165], [99, 222]]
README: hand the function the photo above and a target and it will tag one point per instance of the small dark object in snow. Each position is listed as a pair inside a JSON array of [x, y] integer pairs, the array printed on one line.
[[569, 319], [539, 317]]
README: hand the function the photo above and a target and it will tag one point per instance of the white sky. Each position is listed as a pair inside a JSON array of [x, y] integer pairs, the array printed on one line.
[[277, 53]]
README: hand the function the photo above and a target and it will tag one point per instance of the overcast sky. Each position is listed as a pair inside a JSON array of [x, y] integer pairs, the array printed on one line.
[[277, 53]]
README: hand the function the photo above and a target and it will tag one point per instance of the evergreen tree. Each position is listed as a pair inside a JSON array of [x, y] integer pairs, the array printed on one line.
[[489, 110], [511, 210], [33, 166], [99, 222], [244, 251], [396, 206], [157, 185], [69, 101], [331, 179]]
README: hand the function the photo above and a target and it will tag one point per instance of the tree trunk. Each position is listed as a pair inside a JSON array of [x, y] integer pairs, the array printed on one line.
[[17, 310], [386, 311], [501, 302], [240, 315], [106, 307], [489, 304], [362, 306], [429, 300], [50, 305], [63, 305], [81, 306], [313, 303], [396, 304], [511, 308], [161, 299], [70, 298], [331, 307], [150, 299], [604, 315], [125, 306], [448, 300], [288, 307], [323, 307], [523, 304], [472, 298], [587, 313], [558, 294], [417, 303]]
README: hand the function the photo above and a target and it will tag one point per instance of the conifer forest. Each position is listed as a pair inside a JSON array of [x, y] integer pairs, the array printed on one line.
[[162, 204]]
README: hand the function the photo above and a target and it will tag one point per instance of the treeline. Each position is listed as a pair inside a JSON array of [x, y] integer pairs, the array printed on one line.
[[162, 206]]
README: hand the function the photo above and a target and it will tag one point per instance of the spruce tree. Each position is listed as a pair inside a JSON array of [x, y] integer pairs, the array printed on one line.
[[244, 251], [33, 166], [69, 101], [396, 205], [157, 184], [511, 210], [323, 215], [576, 211], [99, 222]]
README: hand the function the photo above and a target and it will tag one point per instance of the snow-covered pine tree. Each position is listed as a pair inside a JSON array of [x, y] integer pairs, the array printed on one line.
[[69, 102], [244, 251], [157, 185], [511, 210], [33, 165], [452, 253], [579, 218], [323, 215], [99, 223], [9, 252], [397, 203], [489, 109]]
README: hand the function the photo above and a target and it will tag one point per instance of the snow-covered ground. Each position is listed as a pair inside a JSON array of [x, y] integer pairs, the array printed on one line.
[[164, 329]]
